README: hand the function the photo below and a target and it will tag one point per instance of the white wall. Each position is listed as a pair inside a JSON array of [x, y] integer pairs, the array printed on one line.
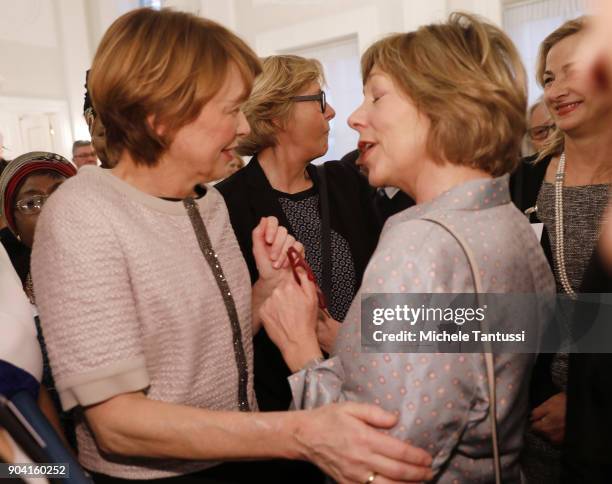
[[490, 9], [301, 26], [47, 45], [30, 58], [44, 52], [76, 53], [100, 14], [272, 25]]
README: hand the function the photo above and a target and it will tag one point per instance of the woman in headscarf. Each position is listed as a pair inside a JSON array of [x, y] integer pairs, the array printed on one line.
[[25, 185]]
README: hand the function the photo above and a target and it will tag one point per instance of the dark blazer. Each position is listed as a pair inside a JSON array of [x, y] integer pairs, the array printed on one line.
[[18, 253], [249, 196], [383, 205], [525, 184], [588, 430]]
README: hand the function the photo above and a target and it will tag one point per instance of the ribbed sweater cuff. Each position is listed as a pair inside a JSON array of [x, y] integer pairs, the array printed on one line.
[[98, 385]]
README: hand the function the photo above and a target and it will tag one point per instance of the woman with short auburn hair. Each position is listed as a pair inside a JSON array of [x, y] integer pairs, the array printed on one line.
[[442, 119], [142, 290], [126, 93]]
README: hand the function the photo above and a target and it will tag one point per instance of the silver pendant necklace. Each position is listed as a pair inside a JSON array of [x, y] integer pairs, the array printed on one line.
[[559, 246]]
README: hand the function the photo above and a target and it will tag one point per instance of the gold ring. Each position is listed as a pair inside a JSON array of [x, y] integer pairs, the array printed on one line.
[[371, 478]]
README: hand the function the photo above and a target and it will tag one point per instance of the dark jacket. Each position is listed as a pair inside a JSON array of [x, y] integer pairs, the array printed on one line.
[[383, 205], [588, 429], [525, 186], [249, 196], [18, 253]]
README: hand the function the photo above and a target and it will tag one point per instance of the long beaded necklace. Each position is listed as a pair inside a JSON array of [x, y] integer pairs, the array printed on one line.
[[559, 246], [215, 265], [29, 288]]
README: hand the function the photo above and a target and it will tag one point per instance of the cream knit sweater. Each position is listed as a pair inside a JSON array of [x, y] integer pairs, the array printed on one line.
[[128, 302]]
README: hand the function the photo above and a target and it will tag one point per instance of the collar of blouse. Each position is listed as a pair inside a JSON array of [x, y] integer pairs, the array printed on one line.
[[473, 195]]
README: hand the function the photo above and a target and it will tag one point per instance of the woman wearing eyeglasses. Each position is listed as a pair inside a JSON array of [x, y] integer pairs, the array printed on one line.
[[327, 208], [539, 126], [25, 185]]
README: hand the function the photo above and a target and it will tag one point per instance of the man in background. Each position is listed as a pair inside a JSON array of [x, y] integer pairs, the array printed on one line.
[[540, 125], [83, 153]]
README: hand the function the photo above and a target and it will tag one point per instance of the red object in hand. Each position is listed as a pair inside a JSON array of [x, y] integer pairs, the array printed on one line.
[[296, 260]]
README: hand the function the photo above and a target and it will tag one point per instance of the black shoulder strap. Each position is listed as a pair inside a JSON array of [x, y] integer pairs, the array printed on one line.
[[526, 182], [326, 268]]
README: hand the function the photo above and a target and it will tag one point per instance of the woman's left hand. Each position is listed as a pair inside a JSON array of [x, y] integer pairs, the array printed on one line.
[[270, 245], [548, 419], [290, 318]]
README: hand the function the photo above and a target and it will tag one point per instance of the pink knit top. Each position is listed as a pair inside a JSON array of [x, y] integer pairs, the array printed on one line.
[[128, 303]]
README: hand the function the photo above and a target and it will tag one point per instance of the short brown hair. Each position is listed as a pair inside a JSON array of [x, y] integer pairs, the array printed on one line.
[[282, 77], [466, 76], [162, 63], [555, 142], [80, 144]]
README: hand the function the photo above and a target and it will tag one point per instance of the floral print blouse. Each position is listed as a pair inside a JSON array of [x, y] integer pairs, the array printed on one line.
[[442, 399]]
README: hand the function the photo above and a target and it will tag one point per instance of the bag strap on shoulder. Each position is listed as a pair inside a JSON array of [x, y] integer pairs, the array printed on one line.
[[488, 354]]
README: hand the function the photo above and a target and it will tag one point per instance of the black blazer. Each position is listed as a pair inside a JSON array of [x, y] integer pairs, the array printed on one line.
[[588, 427], [525, 184], [18, 253], [249, 196], [383, 205]]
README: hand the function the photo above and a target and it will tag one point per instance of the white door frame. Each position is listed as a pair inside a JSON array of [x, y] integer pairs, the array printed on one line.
[[11, 108]]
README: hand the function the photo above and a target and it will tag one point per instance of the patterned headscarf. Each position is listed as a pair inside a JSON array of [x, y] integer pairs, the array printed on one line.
[[19, 169]]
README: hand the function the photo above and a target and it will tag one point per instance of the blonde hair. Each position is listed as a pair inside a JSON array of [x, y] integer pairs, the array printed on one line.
[[466, 76], [282, 77], [555, 142], [162, 66]]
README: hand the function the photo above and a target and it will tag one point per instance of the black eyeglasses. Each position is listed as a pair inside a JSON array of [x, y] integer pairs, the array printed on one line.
[[313, 97], [540, 133]]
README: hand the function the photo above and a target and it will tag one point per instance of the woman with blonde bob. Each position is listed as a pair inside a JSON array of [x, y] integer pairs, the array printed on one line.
[[289, 118], [567, 189], [442, 119], [142, 291]]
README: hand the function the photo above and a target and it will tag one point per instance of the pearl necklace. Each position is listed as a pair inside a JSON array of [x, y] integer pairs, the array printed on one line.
[[559, 246]]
